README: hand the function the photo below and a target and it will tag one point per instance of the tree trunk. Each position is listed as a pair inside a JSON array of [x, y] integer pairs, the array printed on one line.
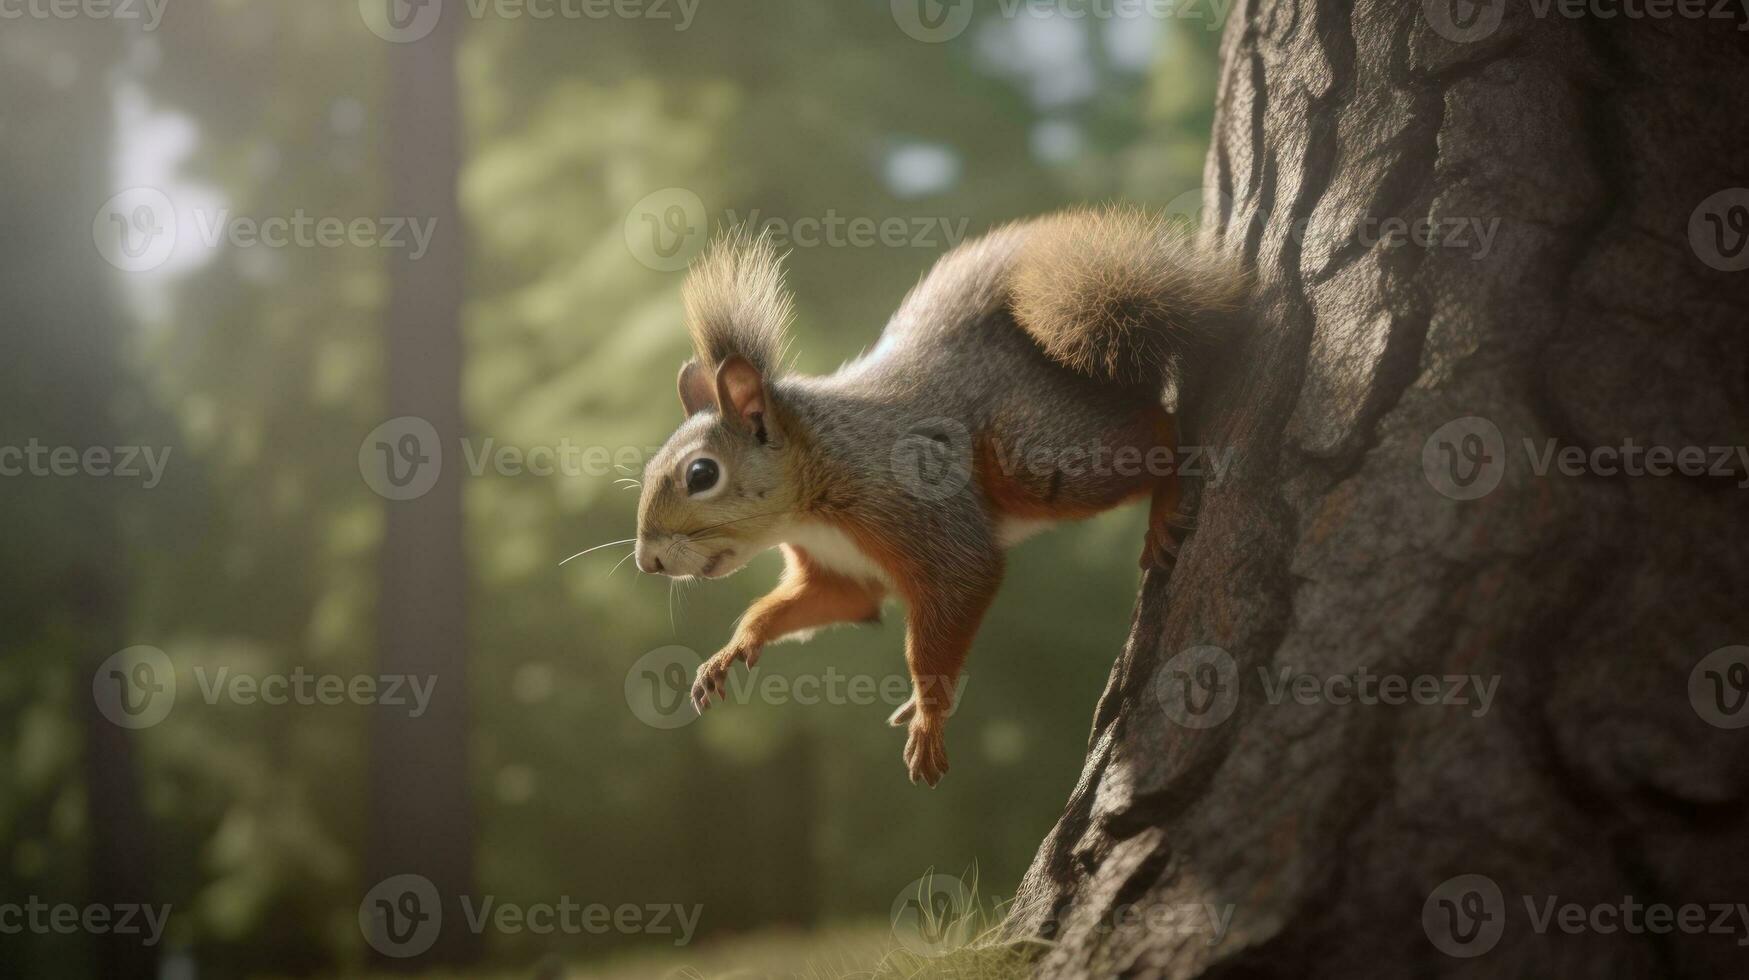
[[422, 820], [67, 578], [1377, 394]]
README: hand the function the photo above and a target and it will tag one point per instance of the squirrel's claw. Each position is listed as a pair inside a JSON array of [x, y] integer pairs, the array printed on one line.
[[1159, 550], [713, 674], [926, 750]]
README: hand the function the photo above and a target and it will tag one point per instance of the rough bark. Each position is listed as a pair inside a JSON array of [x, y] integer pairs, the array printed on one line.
[[1591, 598]]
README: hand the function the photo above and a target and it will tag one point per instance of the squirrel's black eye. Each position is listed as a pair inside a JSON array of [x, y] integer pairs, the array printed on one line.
[[701, 475]]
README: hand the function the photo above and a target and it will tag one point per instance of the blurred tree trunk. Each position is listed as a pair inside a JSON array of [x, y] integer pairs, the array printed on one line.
[[1593, 319], [121, 860], [422, 813], [66, 581]]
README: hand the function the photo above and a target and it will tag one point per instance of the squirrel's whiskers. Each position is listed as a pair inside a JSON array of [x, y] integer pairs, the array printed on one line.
[[631, 541]]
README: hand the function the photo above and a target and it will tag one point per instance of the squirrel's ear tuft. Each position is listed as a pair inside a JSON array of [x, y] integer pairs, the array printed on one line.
[[697, 389], [741, 395], [737, 303]]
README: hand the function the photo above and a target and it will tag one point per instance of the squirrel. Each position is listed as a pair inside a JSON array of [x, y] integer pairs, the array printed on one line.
[[1059, 331]]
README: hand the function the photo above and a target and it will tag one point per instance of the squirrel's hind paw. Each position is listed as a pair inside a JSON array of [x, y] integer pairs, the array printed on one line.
[[926, 751]]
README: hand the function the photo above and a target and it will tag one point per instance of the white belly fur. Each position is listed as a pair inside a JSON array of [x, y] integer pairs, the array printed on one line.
[[835, 551], [1012, 531]]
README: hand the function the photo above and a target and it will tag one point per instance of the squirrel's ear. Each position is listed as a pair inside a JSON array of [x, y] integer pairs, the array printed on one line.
[[696, 388], [741, 394]]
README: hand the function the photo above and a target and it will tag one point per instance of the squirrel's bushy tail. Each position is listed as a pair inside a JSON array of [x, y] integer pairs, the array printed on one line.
[[1117, 294]]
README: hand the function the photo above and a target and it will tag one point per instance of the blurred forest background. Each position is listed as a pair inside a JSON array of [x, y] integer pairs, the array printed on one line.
[[262, 371]]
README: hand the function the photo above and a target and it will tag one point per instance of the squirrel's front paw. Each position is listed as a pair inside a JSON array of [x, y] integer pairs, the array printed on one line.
[[926, 747], [713, 675]]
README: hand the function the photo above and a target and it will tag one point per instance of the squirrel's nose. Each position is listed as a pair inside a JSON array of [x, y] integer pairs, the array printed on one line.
[[647, 560]]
